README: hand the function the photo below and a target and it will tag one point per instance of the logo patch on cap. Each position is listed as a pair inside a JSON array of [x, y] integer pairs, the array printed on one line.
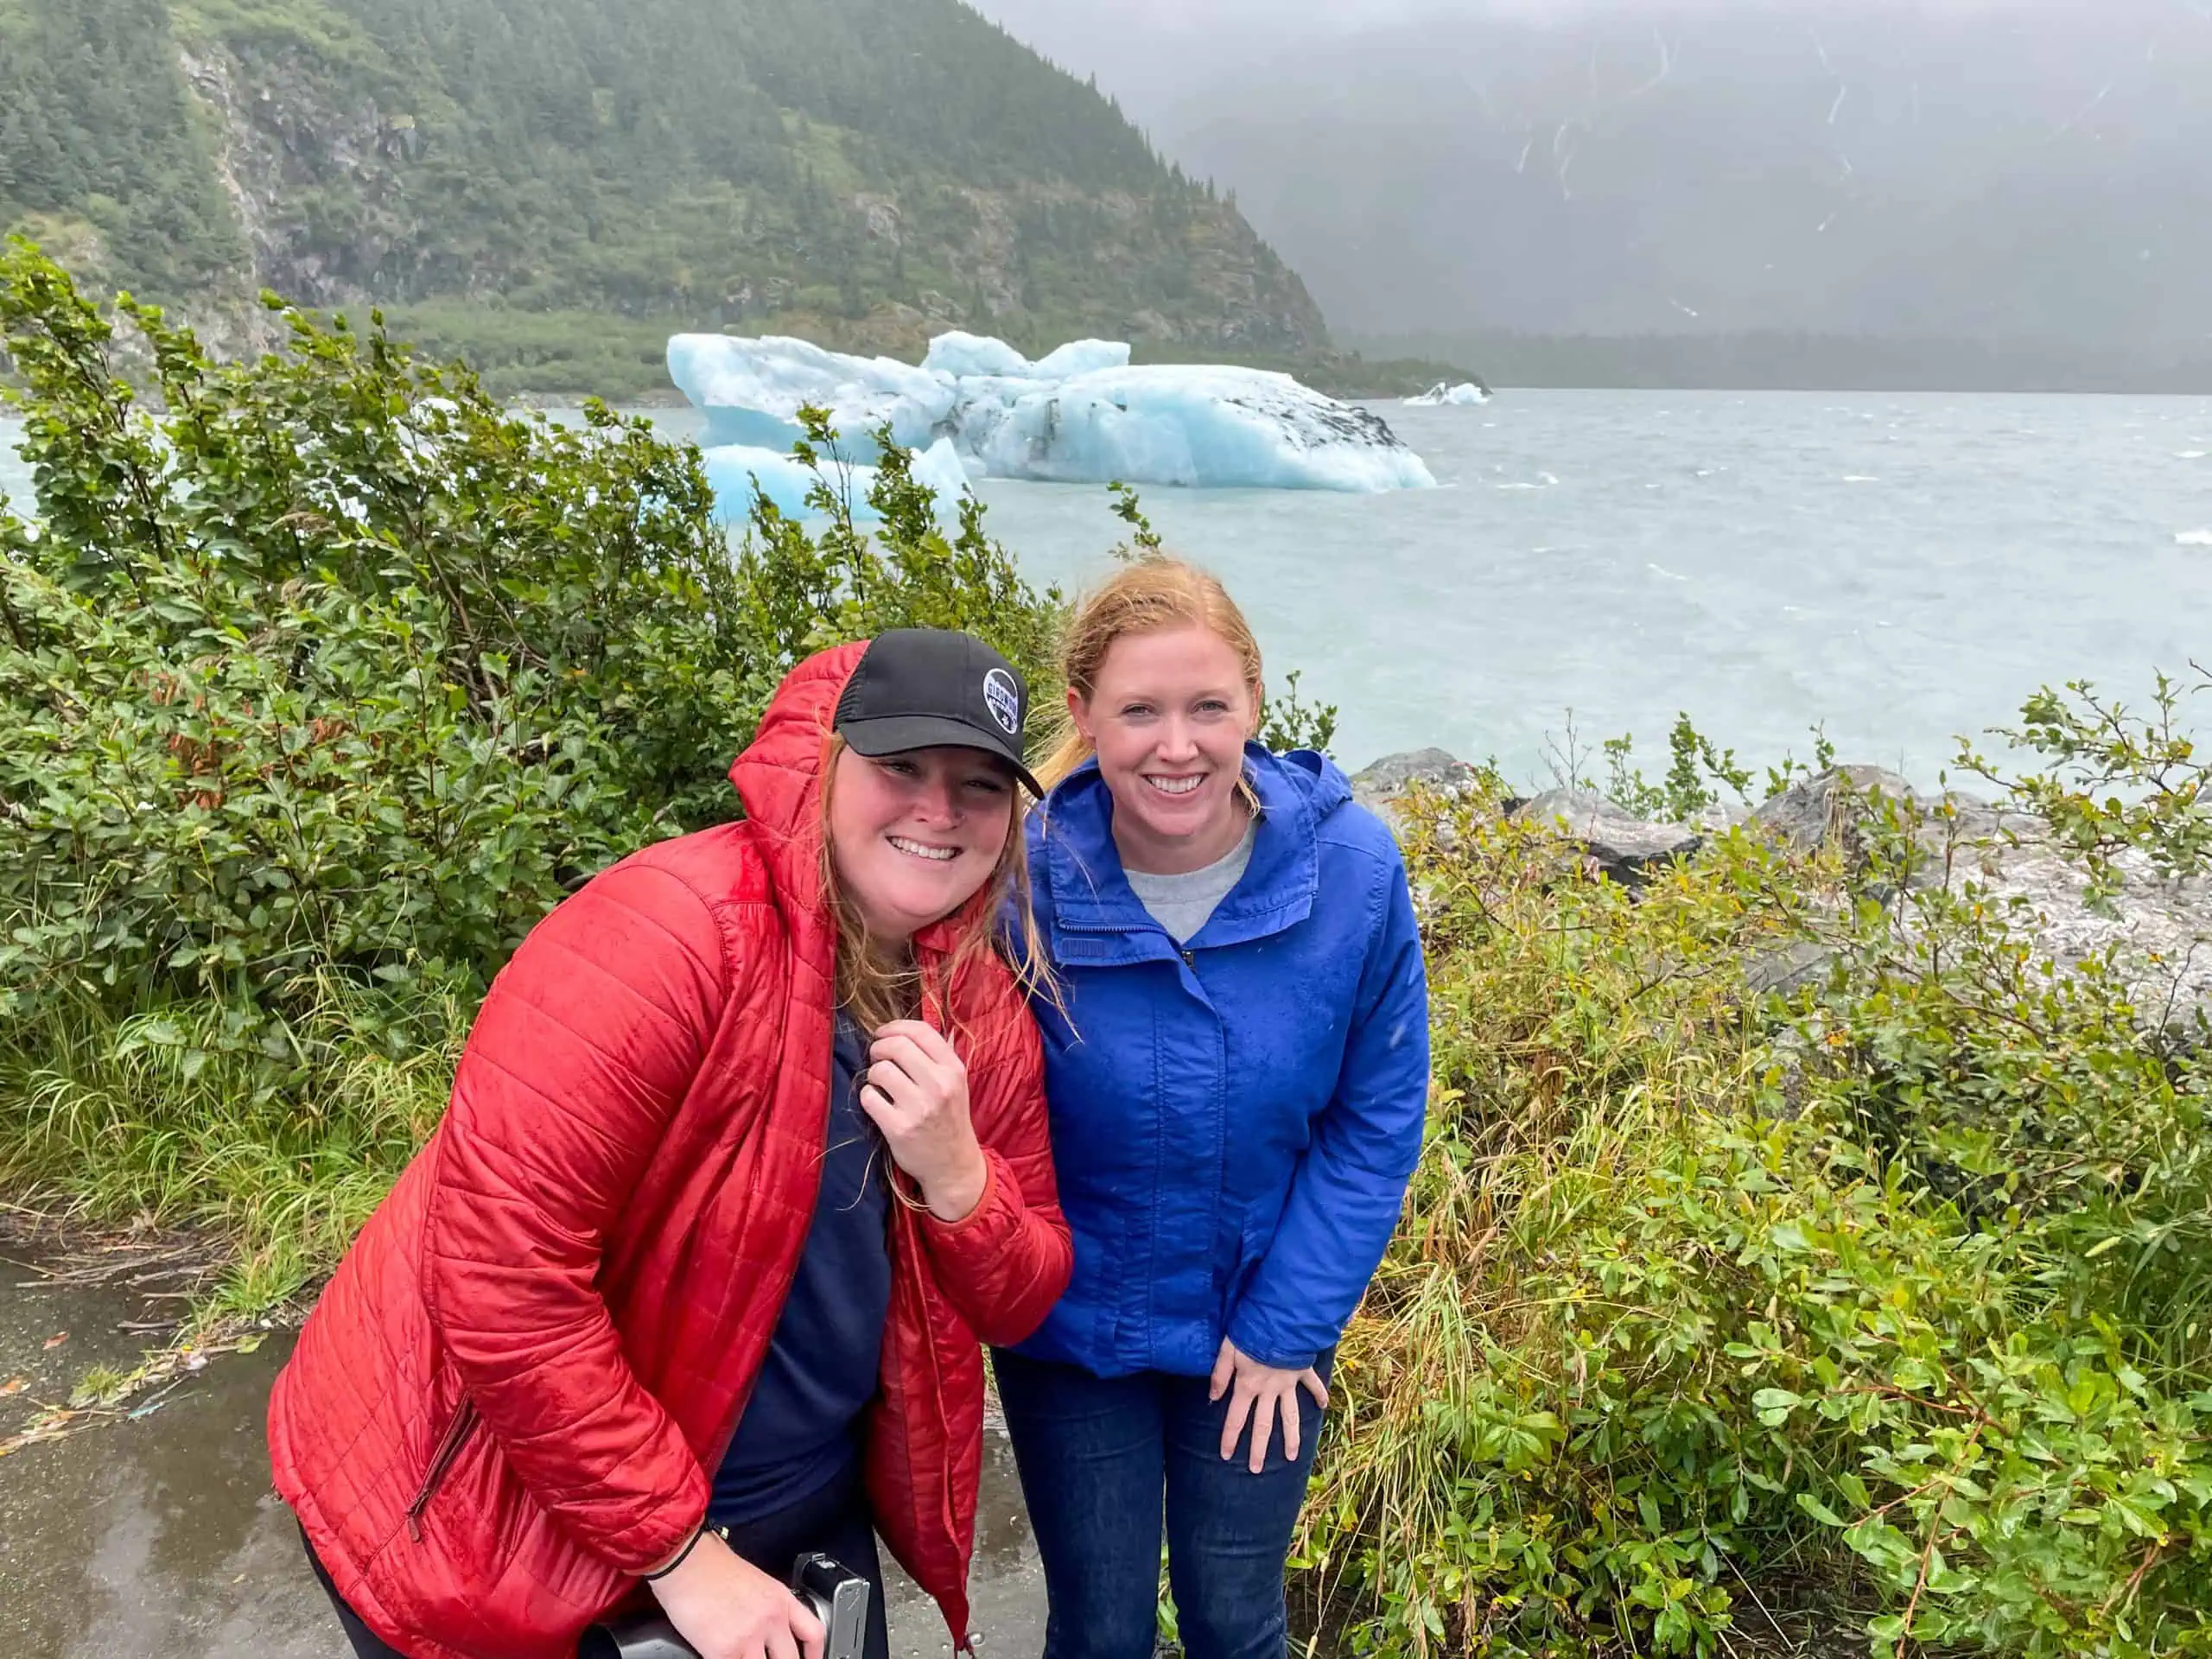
[[1003, 698]]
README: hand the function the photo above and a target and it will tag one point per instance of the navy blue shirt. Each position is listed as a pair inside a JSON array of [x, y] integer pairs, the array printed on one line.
[[801, 1427]]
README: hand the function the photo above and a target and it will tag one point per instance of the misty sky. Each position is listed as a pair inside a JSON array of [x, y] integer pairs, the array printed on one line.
[[1989, 169]]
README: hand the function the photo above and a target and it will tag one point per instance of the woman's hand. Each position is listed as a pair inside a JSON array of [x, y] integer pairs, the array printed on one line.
[[1264, 1393], [729, 1608], [917, 1093]]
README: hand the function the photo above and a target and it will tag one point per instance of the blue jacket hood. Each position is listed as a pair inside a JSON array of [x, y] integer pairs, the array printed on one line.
[[1072, 856]]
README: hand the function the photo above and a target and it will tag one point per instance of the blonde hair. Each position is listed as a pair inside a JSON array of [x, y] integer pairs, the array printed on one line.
[[1152, 591], [875, 988]]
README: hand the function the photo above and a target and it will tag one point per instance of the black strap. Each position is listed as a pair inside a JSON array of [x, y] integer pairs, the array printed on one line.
[[682, 1556]]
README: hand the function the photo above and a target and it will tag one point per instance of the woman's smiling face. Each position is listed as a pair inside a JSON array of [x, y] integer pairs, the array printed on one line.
[[1169, 713], [914, 836]]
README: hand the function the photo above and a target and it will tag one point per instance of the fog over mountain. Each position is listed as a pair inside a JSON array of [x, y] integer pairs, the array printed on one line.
[[2032, 171]]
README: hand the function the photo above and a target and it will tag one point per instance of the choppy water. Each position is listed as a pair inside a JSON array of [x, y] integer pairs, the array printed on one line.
[[1900, 567]]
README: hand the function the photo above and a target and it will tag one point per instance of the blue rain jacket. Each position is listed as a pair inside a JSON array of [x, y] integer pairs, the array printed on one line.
[[1234, 1122]]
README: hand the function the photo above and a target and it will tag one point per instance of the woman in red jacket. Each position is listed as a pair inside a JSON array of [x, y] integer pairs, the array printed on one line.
[[746, 1153]]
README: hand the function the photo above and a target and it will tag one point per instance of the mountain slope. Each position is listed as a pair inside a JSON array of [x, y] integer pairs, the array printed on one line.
[[524, 173]]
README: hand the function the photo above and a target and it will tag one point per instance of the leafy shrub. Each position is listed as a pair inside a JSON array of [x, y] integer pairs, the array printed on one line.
[[1715, 1311], [336, 666], [320, 681]]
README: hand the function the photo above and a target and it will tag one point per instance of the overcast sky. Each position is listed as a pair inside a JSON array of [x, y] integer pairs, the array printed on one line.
[[1956, 168], [1145, 51]]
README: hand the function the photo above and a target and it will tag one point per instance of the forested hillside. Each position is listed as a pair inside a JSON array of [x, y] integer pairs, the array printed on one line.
[[551, 184]]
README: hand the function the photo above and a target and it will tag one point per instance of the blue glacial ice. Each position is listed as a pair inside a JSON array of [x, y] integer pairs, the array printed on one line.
[[734, 470], [1465, 392], [1081, 414]]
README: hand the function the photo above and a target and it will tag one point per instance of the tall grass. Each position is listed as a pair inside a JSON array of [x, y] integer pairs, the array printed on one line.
[[162, 1116]]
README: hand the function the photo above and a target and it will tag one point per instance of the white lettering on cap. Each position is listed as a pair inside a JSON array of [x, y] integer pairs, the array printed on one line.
[[1003, 698]]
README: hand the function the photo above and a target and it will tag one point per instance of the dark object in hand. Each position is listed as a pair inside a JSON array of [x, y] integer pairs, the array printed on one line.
[[836, 1595]]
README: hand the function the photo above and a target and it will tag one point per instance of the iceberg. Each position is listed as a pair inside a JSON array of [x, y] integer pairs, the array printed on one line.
[[1081, 414], [752, 397], [1464, 393], [734, 471], [964, 355]]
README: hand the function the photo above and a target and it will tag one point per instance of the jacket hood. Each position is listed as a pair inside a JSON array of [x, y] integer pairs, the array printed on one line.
[[780, 777], [1072, 853], [1322, 782]]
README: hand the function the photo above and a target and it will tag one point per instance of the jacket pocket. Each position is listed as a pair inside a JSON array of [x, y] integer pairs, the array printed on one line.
[[441, 1460]]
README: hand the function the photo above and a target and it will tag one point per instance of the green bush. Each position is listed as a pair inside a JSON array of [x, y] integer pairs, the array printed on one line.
[[321, 679], [1718, 1316], [337, 666]]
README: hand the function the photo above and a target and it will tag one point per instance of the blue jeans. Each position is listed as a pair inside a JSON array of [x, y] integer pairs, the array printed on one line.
[[1101, 1460]]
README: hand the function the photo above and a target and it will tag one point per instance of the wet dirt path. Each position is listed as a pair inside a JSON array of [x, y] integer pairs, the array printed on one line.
[[157, 1537]]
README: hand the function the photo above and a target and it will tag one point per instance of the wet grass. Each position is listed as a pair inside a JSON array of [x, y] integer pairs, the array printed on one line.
[[167, 1118]]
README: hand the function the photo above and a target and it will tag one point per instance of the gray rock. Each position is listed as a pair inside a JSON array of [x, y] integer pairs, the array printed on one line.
[[1831, 807], [2158, 931], [1377, 787], [1718, 817], [1788, 967], [1623, 846], [1955, 831]]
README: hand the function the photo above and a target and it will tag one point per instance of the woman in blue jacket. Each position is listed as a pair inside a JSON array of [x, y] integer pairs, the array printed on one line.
[[1236, 1067]]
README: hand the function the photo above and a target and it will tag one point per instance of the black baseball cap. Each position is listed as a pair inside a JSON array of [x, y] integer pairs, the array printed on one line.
[[931, 687]]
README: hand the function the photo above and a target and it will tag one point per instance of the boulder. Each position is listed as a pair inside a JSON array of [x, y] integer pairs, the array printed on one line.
[[1375, 786], [1830, 808], [1623, 846], [2159, 931]]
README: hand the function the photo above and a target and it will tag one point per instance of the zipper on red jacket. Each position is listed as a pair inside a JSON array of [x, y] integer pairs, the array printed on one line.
[[456, 1436], [937, 1010]]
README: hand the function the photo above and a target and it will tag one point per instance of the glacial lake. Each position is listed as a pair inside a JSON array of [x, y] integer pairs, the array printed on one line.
[[1900, 568]]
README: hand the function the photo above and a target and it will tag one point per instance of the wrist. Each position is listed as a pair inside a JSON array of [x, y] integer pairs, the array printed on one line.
[[678, 1557], [953, 1197]]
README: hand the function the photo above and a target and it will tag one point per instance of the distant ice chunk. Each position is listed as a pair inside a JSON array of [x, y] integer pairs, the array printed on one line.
[[752, 390], [1465, 392], [1081, 357], [1081, 414], [978, 356], [940, 467], [960, 354], [1222, 428], [735, 470]]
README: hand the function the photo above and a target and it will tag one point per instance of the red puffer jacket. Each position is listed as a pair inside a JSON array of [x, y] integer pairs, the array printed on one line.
[[508, 1401]]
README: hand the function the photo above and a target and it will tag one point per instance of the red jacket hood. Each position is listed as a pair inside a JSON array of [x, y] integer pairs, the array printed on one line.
[[780, 778]]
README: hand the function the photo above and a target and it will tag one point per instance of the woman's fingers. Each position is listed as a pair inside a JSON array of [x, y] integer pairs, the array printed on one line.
[[805, 1626], [884, 1110], [1286, 1403], [1263, 1393], [1264, 1428], [894, 1085], [1232, 1428], [920, 1082], [931, 1041], [907, 1055]]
